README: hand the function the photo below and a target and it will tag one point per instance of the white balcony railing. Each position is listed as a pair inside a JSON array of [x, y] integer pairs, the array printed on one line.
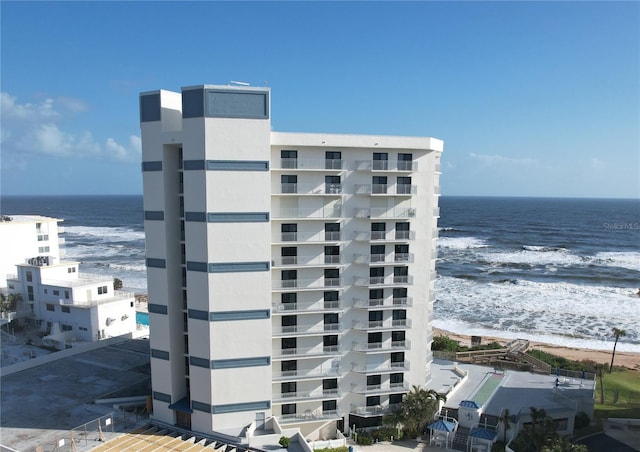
[[305, 261], [372, 236], [307, 283], [301, 330], [308, 417], [386, 165], [384, 303], [383, 258], [308, 164], [383, 281], [308, 212], [309, 189], [319, 237], [381, 346], [308, 352], [380, 388], [320, 306], [301, 374], [307, 395], [381, 368], [382, 325], [382, 212]]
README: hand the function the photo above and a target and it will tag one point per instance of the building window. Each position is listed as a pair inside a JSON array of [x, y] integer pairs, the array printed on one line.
[[373, 401], [288, 388], [380, 161], [403, 185], [29, 276], [395, 399], [102, 290], [405, 162], [402, 231], [43, 237], [51, 307], [332, 185], [65, 309], [329, 405], [66, 327], [81, 328], [288, 159], [66, 294], [288, 408], [289, 232], [378, 231], [378, 185], [71, 270], [332, 231], [289, 255], [289, 183], [333, 160], [43, 249], [56, 293]]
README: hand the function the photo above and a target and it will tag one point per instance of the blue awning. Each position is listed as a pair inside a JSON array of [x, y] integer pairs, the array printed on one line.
[[443, 426], [483, 433], [470, 404], [183, 405]]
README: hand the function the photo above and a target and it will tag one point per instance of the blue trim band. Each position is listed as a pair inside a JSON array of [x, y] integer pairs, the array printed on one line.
[[199, 406], [154, 215], [236, 407], [152, 166], [157, 308], [162, 397], [255, 314], [241, 362], [237, 165], [228, 267], [198, 314], [160, 354], [195, 216], [199, 362], [191, 165], [238, 217], [156, 263]]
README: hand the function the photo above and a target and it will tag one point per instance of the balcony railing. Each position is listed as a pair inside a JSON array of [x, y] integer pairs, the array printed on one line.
[[307, 283], [386, 165], [320, 306], [308, 417], [381, 368], [374, 410], [385, 213], [303, 396], [301, 374], [372, 236], [383, 258], [308, 352], [386, 388], [382, 325], [385, 346], [383, 281], [384, 303], [309, 164], [302, 330], [319, 237], [308, 213], [310, 189], [305, 261]]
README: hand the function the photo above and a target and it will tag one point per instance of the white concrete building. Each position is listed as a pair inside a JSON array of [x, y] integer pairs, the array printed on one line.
[[291, 275], [67, 306]]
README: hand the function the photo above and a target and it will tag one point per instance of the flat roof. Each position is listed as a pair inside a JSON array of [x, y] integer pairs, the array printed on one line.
[[29, 219]]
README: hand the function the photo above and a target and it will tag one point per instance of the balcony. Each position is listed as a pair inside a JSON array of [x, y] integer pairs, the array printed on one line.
[[386, 165], [308, 416], [307, 374], [385, 213], [381, 347], [307, 284], [382, 236], [307, 213], [379, 325], [306, 396], [383, 303], [310, 189], [307, 330], [369, 411], [306, 308], [307, 352], [308, 164], [381, 368], [378, 259], [320, 237], [306, 261], [385, 189], [382, 281], [387, 388]]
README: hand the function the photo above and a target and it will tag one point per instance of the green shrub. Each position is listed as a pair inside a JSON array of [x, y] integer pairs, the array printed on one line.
[[443, 343], [284, 441], [385, 434], [582, 420], [364, 439]]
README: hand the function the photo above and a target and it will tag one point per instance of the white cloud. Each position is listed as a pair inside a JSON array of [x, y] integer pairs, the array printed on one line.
[[500, 159], [37, 129]]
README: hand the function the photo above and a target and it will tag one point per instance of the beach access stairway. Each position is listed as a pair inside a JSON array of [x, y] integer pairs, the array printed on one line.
[[461, 439], [515, 352]]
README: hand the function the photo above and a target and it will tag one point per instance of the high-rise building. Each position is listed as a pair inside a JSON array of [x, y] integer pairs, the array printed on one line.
[[290, 275]]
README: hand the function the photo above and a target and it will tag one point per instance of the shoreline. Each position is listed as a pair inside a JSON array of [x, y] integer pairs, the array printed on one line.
[[629, 360]]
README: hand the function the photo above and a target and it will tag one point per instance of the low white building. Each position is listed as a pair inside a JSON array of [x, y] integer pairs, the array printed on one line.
[[66, 305]]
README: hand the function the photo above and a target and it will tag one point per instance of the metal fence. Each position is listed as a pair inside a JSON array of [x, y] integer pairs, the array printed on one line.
[[80, 437]]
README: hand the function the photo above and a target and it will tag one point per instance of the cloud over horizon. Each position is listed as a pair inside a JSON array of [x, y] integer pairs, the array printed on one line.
[[46, 128]]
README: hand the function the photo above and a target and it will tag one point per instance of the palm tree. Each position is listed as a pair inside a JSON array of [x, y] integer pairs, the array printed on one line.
[[506, 416], [418, 408], [618, 333]]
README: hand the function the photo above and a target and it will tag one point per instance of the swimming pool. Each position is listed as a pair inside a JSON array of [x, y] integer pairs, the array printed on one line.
[[142, 318]]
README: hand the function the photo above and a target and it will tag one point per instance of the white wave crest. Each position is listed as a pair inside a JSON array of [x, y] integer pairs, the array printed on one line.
[[461, 243], [558, 311], [628, 259], [529, 257], [105, 234]]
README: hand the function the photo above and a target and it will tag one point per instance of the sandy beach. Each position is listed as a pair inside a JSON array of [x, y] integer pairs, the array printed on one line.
[[623, 359]]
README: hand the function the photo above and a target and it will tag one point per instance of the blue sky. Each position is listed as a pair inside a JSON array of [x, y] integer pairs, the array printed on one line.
[[531, 98]]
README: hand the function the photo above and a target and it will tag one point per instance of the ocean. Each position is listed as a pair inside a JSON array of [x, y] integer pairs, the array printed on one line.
[[562, 271]]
